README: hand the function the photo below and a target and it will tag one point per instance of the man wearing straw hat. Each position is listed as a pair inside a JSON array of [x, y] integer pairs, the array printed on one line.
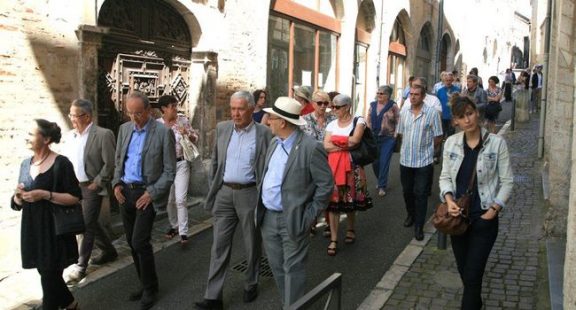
[[295, 188]]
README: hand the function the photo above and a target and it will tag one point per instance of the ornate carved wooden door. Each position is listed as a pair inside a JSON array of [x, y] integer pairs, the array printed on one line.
[[147, 49]]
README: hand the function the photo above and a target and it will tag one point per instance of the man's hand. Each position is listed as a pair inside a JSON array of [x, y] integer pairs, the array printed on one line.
[[118, 194], [143, 201], [93, 186]]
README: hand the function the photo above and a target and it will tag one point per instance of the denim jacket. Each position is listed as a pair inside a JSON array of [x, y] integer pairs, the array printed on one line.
[[493, 170]]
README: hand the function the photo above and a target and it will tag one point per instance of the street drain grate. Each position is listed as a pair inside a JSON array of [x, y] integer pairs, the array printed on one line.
[[265, 270]]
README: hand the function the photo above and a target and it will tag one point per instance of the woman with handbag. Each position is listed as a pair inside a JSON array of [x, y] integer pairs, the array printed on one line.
[[494, 107], [383, 115], [350, 192], [474, 149], [176, 208], [47, 181]]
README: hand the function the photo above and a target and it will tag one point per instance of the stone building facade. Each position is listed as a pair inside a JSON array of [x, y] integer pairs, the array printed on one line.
[[203, 51], [559, 136]]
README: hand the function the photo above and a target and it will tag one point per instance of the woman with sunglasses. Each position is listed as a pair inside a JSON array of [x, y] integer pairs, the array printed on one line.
[[316, 122], [350, 193], [383, 116], [316, 128]]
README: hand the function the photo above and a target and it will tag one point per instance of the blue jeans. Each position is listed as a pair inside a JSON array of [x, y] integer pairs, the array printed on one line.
[[381, 166], [471, 251], [416, 184]]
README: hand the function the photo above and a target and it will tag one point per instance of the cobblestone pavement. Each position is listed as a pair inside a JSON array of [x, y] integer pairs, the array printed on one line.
[[511, 279]]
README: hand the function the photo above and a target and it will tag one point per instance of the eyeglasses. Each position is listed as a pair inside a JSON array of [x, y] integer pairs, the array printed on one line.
[[337, 107], [135, 114], [71, 116], [326, 103], [380, 93]]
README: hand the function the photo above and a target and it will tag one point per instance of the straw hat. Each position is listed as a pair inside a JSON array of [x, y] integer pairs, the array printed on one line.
[[288, 109]]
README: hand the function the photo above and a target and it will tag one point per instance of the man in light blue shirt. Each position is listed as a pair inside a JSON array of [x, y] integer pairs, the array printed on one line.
[[295, 189], [421, 130], [236, 167]]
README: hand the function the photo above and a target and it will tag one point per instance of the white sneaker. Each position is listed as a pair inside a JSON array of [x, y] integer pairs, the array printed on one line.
[[381, 192]]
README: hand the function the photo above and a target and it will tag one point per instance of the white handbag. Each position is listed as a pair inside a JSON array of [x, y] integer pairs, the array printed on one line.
[[189, 149]]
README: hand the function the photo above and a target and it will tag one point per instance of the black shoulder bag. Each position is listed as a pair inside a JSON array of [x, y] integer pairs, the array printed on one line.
[[366, 151], [67, 219]]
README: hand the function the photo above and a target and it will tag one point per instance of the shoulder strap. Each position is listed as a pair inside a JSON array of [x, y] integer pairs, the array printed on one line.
[[473, 177], [354, 125]]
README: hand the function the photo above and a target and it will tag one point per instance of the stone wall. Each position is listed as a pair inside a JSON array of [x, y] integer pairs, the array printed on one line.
[[560, 115], [38, 78]]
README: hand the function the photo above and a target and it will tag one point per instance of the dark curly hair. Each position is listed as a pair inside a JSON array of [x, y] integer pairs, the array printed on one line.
[[49, 130]]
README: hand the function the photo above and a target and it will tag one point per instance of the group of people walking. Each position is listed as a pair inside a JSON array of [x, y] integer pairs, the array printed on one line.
[[273, 172]]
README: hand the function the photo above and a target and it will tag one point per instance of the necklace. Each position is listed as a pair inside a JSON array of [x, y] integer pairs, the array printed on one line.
[[38, 163]]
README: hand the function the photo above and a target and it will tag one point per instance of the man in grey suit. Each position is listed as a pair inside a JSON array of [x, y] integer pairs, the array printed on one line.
[[296, 187], [236, 168], [144, 173], [90, 148]]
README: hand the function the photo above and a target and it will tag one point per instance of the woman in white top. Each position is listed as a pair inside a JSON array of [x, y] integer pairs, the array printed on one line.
[[176, 208], [350, 190]]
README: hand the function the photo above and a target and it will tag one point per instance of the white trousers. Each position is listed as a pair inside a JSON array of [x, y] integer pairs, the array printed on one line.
[[176, 208]]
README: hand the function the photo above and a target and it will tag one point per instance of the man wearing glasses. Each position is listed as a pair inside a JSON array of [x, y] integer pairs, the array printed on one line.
[[90, 148], [144, 173]]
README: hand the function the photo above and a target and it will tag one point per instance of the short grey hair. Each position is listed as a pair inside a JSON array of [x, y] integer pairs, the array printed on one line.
[[342, 100], [244, 95], [387, 90], [141, 96], [472, 77], [84, 105]]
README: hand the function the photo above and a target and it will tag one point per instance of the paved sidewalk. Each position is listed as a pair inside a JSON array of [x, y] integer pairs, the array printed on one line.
[[20, 289], [424, 277]]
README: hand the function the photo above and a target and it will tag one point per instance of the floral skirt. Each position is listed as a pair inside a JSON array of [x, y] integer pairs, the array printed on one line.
[[354, 195]]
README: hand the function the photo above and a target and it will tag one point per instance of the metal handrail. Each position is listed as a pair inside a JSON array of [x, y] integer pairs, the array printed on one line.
[[332, 285]]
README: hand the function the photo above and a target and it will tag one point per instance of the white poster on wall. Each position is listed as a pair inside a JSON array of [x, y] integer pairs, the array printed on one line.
[[306, 78]]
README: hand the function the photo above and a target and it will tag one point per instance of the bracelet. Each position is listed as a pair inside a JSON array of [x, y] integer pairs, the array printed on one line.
[[495, 210], [50, 197]]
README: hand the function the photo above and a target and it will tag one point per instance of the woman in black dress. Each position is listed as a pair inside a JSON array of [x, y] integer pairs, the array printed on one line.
[[40, 186]]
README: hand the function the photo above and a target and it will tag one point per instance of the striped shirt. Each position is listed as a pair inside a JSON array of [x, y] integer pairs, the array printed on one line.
[[418, 133]]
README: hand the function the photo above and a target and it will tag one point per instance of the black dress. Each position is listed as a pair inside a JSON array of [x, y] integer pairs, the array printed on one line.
[[40, 246]]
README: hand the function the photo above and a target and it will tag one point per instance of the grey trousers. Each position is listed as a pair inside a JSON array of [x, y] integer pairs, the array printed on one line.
[[287, 257], [94, 234], [233, 207]]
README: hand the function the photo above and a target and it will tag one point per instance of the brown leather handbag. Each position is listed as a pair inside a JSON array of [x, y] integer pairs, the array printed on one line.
[[456, 225]]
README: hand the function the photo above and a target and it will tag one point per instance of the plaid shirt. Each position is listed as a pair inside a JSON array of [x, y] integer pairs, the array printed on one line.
[[418, 133]]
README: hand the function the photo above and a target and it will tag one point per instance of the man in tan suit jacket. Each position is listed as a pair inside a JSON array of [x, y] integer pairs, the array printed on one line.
[[91, 150]]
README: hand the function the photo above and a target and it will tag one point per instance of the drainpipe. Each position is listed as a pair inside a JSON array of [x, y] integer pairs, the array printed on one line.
[[545, 75], [438, 41], [380, 44]]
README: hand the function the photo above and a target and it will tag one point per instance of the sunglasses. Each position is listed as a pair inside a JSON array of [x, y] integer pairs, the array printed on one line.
[[337, 107], [326, 103]]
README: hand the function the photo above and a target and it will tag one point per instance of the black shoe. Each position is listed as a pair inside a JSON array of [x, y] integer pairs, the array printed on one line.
[[148, 300], [104, 258], [135, 296], [418, 233], [210, 304], [251, 294], [409, 221]]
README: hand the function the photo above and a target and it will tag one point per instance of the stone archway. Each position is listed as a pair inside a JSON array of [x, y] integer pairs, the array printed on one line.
[[446, 45], [147, 48], [424, 52]]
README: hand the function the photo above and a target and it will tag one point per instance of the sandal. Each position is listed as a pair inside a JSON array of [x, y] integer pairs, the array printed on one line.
[[334, 250], [350, 236], [171, 233]]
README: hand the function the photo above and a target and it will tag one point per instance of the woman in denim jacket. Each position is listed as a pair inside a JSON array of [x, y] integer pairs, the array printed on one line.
[[473, 148]]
